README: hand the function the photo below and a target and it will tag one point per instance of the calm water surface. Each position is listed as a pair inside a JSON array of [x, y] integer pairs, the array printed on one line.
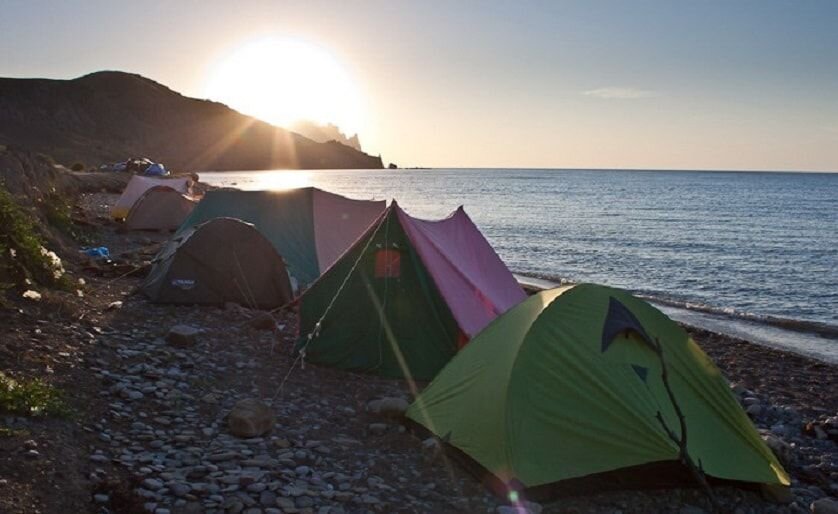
[[749, 245]]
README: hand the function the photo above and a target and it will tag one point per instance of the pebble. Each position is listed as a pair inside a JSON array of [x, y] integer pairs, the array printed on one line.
[[377, 428]]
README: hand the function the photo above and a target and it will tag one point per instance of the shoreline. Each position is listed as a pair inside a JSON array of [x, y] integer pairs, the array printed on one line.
[[799, 341]]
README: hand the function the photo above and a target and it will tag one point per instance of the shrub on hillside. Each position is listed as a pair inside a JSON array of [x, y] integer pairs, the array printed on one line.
[[23, 257], [78, 166]]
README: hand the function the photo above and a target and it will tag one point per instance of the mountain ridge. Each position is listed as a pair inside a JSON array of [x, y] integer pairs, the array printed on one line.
[[112, 115]]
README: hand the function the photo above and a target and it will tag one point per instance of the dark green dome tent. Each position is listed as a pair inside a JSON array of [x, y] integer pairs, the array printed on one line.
[[310, 228], [221, 260], [568, 384]]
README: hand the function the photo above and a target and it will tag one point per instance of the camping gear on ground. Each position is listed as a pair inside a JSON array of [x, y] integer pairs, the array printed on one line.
[[156, 170], [222, 260], [159, 208], [99, 252], [310, 228], [405, 297], [570, 384], [139, 185]]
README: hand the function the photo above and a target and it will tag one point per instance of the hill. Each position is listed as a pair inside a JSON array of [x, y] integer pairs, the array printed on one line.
[[109, 116]]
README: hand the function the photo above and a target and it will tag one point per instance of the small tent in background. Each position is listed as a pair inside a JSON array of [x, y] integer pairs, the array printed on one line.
[[405, 297], [310, 228], [160, 208], [156, 170], [568, 384], [222, 260], [139, 185]]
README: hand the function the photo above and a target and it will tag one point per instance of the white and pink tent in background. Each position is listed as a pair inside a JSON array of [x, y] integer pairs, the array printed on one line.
[[139, 185]]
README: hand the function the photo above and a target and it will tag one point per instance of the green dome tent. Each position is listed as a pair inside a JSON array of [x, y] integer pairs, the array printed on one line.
[[568, 384]]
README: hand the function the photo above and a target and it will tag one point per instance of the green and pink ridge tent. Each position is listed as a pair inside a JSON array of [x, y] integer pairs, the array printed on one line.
[[405, 297]]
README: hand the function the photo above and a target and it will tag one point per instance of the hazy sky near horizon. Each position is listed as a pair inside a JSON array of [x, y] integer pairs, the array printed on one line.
[[749, 84]]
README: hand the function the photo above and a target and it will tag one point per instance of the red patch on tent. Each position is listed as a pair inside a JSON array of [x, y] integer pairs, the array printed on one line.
[[462, 339], [388, 263]]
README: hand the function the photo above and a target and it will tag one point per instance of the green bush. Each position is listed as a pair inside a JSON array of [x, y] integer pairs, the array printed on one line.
[[23, 258], [57, 211], [31, 398], [78, 166]]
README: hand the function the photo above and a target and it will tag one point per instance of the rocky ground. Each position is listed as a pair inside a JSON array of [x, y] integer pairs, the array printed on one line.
[[150, 431]]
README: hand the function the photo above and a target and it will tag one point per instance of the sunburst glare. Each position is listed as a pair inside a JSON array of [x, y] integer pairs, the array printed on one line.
[[283, 80]]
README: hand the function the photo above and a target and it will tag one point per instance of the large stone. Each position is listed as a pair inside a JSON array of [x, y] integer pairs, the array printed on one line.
[[250, 418], [389, 407], [183, 336], [824, 506]]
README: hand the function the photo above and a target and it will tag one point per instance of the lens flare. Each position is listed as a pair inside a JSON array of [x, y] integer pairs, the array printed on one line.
[[283, 80]]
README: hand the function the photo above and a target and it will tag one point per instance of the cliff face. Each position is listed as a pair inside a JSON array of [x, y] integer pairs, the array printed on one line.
[[109, 116], [325, 133]]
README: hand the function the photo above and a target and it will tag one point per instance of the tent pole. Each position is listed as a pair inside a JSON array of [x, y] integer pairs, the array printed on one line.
[[695, 469]]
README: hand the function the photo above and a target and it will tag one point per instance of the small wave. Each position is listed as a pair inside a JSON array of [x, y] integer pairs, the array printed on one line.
[[796, 325]]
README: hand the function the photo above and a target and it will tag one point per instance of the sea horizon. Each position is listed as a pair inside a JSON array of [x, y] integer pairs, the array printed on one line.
[[525, 168]]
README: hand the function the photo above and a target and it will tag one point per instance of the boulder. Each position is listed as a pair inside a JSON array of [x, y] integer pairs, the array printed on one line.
[[389, 407], [250, 418], [183, 336]]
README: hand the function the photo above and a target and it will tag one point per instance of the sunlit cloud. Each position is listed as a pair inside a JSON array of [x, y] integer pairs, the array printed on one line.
[[619, 93]]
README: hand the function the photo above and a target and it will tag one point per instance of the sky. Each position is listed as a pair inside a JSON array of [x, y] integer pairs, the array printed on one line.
[[663, 84]]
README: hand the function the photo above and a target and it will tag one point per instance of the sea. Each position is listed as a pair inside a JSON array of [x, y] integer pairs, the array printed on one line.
[[749, 254]]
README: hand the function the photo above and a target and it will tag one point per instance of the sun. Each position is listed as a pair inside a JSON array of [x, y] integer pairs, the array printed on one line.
[[283, 80]]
